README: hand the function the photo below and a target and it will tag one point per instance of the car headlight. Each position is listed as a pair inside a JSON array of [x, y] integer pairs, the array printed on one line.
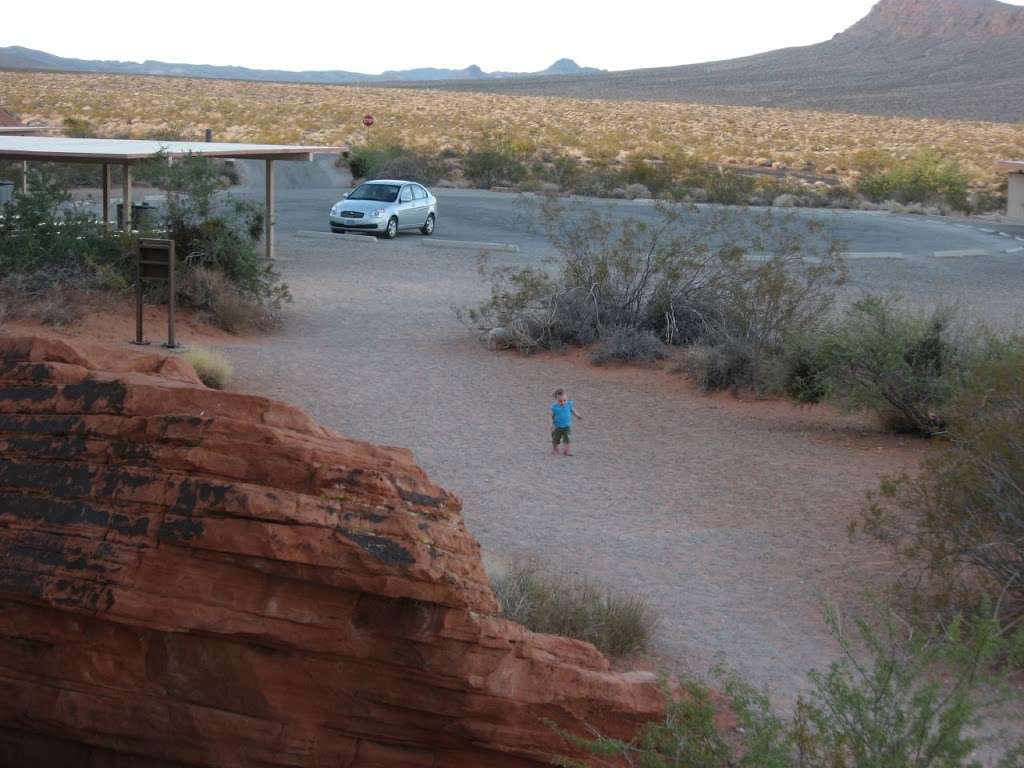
[[336, 209], [378, 213]]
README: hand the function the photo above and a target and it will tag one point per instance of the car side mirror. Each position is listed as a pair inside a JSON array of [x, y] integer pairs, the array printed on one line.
[[345, 196]]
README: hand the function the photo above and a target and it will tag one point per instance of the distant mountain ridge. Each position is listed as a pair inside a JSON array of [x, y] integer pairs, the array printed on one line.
[[922, 58], [17, 57]]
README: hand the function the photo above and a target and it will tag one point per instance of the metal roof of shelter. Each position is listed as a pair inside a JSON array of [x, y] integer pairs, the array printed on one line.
[[128, 152], [20, 130], [114, 151], [1013, 166]]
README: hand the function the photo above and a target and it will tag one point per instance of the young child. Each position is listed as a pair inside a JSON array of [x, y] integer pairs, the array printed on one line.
[[562, 411]]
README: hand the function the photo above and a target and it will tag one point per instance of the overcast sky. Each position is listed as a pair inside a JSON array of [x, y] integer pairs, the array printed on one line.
[[372, 36]]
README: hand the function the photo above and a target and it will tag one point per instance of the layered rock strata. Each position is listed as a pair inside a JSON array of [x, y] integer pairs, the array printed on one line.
[[197, 578]]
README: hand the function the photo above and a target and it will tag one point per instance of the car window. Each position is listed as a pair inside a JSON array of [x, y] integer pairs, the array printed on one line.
[[406, 194], [382, 193], [419, 192]]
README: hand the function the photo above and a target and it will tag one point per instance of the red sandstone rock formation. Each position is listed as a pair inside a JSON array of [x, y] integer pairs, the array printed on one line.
[[197, 578]]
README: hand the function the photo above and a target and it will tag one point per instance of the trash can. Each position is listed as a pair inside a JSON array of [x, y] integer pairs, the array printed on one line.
[[143, 216], [6, 191]]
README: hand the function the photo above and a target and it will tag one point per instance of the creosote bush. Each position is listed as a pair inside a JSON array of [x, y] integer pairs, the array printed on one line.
[[882, 357], [908, 700], [718, 278], [926, 177], [956, 527], [616, 624]]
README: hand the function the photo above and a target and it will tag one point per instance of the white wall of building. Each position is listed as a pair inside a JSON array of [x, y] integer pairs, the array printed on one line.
[[1015, 201]]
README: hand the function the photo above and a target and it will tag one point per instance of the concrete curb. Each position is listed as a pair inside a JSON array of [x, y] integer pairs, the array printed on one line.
[[315, 235], [431, 242]]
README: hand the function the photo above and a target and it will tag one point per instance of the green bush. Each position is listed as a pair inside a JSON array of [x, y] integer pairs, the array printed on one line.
[[39, 234], [880, 357], [393, 161], [219, 233], [957, 526], [908, 701], [727, 187], [491, 163], [616, 624], [78, 128], [926, 177]]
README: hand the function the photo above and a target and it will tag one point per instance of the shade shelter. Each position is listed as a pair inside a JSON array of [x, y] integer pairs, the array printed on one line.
[[1015, 188], [130, 152]]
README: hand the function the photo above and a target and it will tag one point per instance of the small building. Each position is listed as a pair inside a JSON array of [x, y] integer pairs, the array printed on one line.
[[1015, 189]]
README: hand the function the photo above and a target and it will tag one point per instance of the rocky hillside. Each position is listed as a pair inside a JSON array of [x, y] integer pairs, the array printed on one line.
[[926, 58]]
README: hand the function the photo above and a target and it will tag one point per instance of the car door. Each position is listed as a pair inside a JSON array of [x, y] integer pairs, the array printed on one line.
[[407, 208], [422, 204]]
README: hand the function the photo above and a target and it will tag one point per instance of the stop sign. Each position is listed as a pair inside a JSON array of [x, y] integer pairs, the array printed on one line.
[[367, 120]]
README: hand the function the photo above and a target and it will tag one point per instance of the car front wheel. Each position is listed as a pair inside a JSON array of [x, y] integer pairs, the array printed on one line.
[[392, 229], [428, 225]]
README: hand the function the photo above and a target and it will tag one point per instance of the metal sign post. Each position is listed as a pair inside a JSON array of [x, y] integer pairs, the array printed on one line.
[[154, 260]]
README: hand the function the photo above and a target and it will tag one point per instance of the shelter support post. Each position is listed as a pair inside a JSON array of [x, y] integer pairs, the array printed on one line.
[[105, 216], [126, 198], [24, 176], [270, 210]]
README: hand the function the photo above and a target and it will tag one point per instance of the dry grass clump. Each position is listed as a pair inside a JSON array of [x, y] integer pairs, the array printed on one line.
[[213, 369], [616, 623], [590, 130]]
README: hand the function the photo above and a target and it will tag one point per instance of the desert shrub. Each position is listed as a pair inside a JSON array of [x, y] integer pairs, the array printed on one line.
[[215, 299], [408, 165], [727, 187], [493, 162], [39, 233], [654, 177], [219, 233], [78, 128], [617, 624], [625, 343], [801, 375], [908, 700], [687, 278], [926, 177], [729, 365], [884, 358], [393, 161], [213, 369], [957, 526]]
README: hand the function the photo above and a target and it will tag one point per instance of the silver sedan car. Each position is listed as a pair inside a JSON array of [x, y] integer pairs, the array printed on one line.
[[383, 207]]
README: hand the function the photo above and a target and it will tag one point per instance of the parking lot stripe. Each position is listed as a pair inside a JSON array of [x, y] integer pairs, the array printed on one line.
[[959, 254]]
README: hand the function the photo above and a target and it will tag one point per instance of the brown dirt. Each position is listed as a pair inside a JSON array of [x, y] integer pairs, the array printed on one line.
[[729, 516], [113, 322]]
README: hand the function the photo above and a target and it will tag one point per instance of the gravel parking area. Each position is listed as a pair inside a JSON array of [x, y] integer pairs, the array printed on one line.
[[729, 516]]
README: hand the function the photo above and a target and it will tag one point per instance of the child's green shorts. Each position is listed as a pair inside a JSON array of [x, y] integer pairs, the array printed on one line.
[[560, 435]]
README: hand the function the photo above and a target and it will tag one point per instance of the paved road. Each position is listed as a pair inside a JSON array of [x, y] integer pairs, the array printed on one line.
[[476, 215]]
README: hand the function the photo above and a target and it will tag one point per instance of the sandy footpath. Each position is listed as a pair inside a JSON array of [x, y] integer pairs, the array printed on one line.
[[729, 516]]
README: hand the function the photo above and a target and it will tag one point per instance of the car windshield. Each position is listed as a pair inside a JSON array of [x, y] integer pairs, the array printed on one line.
[[382, 193]]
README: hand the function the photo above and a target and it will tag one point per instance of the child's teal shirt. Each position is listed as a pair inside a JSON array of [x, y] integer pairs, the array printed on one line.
[[562, 414]]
